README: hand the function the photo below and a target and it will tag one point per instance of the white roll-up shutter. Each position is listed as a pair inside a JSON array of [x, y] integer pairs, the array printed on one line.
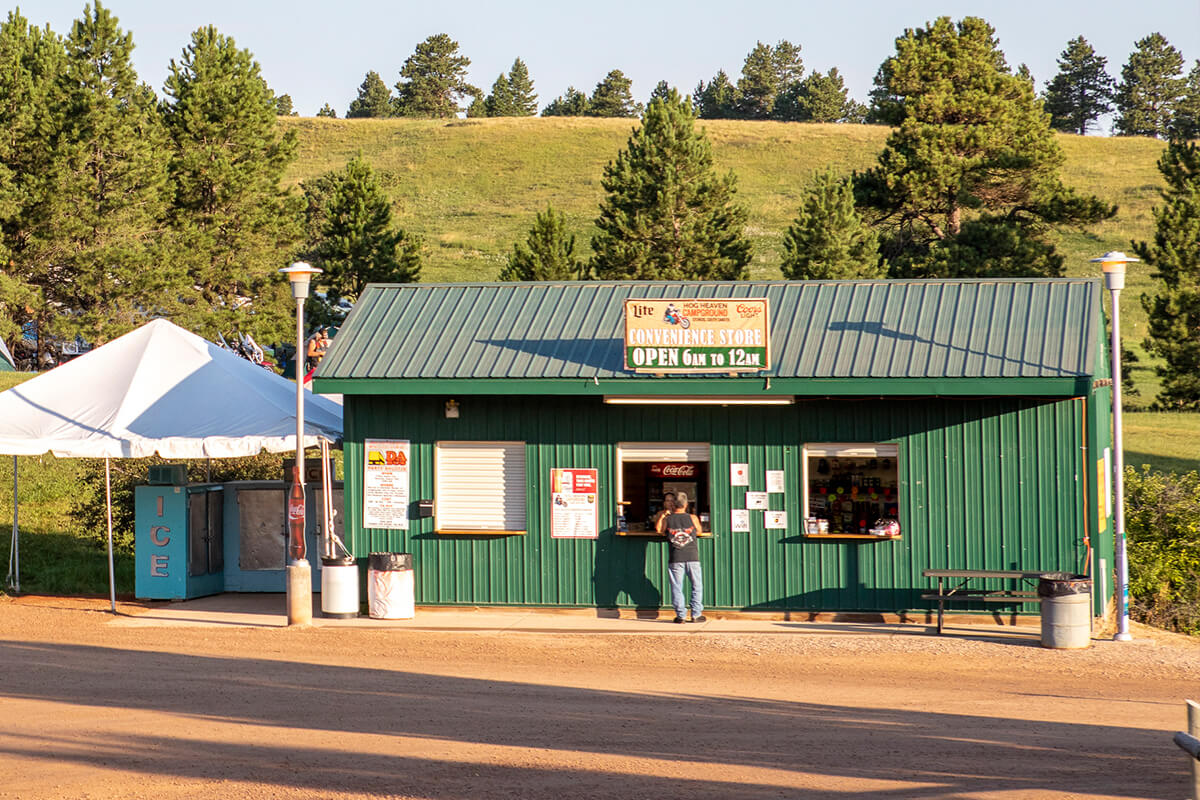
[[664, 451], [851, 450], [480, 486]]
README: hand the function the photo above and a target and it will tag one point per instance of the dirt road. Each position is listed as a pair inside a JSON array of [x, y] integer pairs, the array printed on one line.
[[91, 710]]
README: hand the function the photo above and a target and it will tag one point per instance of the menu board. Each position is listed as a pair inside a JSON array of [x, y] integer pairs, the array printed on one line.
[[574, 511], [385, 484]]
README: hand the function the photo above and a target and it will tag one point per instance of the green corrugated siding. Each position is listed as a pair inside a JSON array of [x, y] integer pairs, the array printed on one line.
[[985, 484]]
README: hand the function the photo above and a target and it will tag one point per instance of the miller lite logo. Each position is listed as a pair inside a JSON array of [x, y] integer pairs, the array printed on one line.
[[673, 470]]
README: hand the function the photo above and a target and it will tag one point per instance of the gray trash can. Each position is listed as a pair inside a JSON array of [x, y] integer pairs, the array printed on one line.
[[390, 586], [1066, 610]]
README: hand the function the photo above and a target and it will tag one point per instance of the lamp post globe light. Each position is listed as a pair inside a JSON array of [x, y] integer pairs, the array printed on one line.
[[299, 574], [1113, 263]]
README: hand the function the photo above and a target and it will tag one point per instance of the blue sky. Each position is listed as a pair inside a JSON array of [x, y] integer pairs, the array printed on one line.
[[319, 51]]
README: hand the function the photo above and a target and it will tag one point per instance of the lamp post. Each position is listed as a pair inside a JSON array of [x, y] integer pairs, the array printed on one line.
[[299, 574], [1113, 263]]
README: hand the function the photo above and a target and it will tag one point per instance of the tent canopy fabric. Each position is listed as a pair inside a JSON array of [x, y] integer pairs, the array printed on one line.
[[160, 389]]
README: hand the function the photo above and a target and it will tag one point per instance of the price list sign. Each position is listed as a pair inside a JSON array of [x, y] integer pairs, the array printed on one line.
[[385, 484], [574, 509]]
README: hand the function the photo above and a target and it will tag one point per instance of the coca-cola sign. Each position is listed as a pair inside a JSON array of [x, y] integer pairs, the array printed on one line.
[[673, 470]]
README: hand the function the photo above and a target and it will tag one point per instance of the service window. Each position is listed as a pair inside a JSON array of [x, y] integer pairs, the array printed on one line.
[[850, 487], [648, 471], [479, 487]]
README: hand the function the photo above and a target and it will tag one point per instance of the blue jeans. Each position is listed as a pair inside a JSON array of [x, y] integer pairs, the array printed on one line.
[[676, 572]]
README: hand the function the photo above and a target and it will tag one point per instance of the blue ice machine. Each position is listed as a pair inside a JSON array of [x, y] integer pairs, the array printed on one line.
[[179, 548]]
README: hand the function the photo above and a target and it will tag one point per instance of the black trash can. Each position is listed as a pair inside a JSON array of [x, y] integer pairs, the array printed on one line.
[[390, 586], [1066, 610]]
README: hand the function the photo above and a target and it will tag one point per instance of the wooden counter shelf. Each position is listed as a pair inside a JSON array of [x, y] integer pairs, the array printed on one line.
[[852, 536]]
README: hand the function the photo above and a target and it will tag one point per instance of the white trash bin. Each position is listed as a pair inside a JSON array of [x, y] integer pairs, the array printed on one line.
[[339, 587], [390, 586]]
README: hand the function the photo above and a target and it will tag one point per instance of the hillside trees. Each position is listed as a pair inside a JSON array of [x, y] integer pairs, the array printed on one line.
[[512, 95], [1185, 122], [612, 97], [716, 99], [819, 98], [968, 182], [1174, 312], [433, 80], [548, 253], [374, 99], [233, 224], [327, 111], [356, 242], [766, 72], [572, 103], [1082, 91], [1151, 85], [828, 239], [668, 215], [93, 236]]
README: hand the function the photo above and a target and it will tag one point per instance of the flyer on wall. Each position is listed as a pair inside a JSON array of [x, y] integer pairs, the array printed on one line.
[[739, 519], [775, 482], [756, 501], [739, 474], [574, 512], [776, 520], [385, 483]]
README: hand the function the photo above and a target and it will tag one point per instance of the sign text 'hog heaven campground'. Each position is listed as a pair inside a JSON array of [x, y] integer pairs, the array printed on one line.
[[696, 335]]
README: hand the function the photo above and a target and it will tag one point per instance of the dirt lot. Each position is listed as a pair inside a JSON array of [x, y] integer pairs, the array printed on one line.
[[92, 710]]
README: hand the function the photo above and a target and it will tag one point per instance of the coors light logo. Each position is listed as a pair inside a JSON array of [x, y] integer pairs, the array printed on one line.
[[673, 470]]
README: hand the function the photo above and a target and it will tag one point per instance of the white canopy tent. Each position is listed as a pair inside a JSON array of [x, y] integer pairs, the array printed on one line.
[[158, 389]]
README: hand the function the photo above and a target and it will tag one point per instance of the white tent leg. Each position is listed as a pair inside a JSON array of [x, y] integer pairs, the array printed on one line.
[[112, 580], [13, 581]]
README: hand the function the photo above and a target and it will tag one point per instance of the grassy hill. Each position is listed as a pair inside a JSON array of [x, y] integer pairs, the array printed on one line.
[[472, 187]]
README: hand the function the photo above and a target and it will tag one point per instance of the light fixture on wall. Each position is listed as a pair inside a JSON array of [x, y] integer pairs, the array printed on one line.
[[451, 409]]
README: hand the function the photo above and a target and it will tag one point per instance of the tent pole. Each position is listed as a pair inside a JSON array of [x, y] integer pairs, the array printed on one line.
[[112, 582], [14, 553]]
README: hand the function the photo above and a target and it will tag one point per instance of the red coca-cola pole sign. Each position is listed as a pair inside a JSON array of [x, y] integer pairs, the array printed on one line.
[[296, 518]]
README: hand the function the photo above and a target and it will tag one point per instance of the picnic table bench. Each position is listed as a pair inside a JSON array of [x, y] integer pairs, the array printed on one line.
[[964, 591]]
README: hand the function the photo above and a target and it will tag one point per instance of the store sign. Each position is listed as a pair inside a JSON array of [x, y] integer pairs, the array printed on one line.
[[697, 335], [673, 470], [385, 484], [574, 509]]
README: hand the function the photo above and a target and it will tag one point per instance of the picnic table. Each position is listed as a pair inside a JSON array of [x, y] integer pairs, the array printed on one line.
[[962, 587]]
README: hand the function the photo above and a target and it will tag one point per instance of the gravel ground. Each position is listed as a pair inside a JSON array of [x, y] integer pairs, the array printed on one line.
[[93, 710]]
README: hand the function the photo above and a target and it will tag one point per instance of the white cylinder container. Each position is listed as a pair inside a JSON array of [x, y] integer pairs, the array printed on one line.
[[391, 586], [339, 588]]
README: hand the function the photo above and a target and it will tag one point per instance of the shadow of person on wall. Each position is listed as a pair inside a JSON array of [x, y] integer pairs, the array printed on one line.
[[620, 574]]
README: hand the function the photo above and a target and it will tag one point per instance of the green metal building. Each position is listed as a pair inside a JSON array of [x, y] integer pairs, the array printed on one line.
[[974, 412]]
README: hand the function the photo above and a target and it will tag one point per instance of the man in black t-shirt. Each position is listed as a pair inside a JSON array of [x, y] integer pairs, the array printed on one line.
[[682, 530]]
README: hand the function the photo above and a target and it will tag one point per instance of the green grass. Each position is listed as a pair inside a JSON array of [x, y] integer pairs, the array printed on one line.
[[1167, 442], [472, 187]]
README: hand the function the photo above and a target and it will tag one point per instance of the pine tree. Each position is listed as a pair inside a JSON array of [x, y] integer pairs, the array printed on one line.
[[95, 249], [828, 239], [433, 80], [478, 107], [717, 99], [1082, 91], [968, 183], [500, 102], [612, 97], [31, 60], [1174, 312], [374, 99], [661, 91], [572, 103], [357, 243], [520, 86], [327, 111], [668, 215], [1150, 87], [548, 253], [766, 72], [818, 98], [1185, 123], [283, 106], [234, 224]]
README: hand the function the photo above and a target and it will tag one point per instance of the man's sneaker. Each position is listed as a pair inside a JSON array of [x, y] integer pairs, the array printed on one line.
[[700, 618], [679, 620]]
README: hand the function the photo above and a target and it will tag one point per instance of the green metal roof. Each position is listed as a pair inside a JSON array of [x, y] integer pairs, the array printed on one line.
[[827, 337]]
